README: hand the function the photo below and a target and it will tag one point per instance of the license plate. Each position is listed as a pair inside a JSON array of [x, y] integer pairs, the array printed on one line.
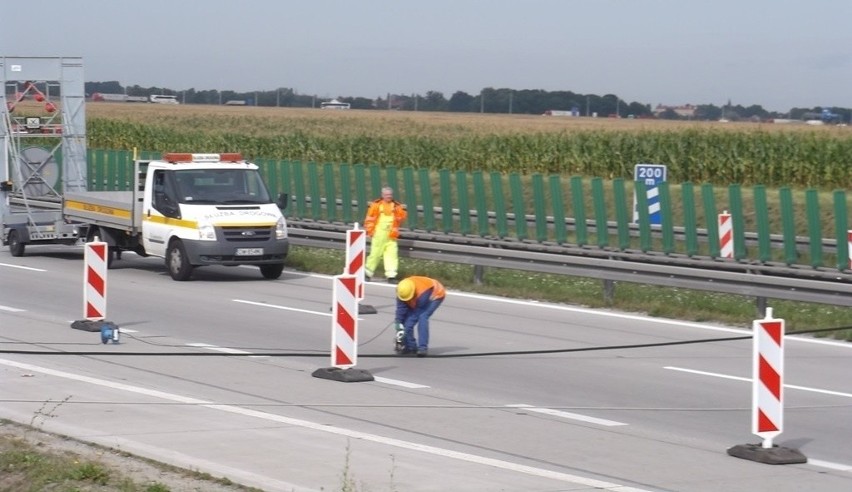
[[249, 251]]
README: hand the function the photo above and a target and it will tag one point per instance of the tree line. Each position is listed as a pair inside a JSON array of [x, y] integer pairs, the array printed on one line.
[[488, 100]]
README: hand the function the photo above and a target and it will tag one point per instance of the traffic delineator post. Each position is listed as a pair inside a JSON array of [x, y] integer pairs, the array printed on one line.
[[356, 256], [95, 280], [726, 235], [96, 265], [356, 245], [767, 395], [344, 328], [768, 378], [344, 333]]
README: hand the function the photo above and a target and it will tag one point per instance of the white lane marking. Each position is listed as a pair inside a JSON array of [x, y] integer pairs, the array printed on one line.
[[830, 465], [322, 427], [397, 382], [567, 415], [631, 317], [275, 306], [224, 350], [217, 349], [22, 267], [11, 309], [737, 378]]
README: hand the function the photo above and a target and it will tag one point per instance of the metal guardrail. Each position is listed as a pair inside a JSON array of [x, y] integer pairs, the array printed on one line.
[[759, 280]]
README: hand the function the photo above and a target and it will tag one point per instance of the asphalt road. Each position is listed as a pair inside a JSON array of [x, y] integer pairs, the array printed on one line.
[[606, 414]]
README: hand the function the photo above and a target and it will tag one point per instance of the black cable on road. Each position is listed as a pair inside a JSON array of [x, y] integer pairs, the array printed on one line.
[[431, 356]]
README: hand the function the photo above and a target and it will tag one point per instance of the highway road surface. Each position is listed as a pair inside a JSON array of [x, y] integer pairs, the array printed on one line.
[[216, 375]]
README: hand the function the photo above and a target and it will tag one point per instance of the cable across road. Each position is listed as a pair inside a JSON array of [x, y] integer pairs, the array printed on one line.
[[394, 355]]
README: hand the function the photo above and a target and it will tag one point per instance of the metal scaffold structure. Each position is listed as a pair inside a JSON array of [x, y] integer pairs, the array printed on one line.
[[43, 133]]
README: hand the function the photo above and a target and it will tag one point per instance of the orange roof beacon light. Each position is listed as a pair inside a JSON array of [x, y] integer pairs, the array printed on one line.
[[231, 157]]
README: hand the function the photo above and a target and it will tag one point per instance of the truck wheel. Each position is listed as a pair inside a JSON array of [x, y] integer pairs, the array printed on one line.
[[16, 247], [271, 272], [177, 262]]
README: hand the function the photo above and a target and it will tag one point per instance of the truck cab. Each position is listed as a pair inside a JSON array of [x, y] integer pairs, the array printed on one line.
[[210, 209]]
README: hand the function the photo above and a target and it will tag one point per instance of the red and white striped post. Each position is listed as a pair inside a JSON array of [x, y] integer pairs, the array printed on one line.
[[356, 254], [726, 235], [95, 280], [849, 247], [768, 378], [344, 324]]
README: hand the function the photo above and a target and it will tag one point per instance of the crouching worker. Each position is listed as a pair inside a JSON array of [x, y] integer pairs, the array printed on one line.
[[417, 300]]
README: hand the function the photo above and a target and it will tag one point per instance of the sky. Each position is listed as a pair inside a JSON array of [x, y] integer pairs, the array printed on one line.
[[778, 54]]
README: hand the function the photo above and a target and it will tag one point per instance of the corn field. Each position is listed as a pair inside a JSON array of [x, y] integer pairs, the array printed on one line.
[[698, 152]]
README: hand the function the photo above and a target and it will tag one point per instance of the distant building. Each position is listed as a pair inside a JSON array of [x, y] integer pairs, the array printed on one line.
[[685, 111], [334, 104]]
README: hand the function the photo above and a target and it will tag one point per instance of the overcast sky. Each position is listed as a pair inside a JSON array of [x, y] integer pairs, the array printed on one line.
[[776, 53]]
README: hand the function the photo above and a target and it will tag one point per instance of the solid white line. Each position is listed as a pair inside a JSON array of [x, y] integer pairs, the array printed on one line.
[[567, 415], [285, 308], [217, 349], [224, 349], [791, 386], [830, 465], [22, 267], [396, 382], [323, 427], [11, 309]]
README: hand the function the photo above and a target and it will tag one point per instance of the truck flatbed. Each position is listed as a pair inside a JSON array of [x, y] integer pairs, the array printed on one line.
[[114, 209]]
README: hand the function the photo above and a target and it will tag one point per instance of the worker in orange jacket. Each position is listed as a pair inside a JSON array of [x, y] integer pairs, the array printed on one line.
[[417, 298], [384, 216]]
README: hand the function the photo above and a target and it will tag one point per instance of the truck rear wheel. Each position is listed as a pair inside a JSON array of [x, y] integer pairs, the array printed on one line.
[[177, 262], [16, 247], [271, 272]]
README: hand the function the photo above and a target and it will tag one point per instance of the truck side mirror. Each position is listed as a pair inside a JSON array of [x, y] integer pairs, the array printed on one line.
[[283, 200]]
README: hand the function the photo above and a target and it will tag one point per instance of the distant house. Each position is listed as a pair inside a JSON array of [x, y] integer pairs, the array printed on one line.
[[334, 104], [685, 111]]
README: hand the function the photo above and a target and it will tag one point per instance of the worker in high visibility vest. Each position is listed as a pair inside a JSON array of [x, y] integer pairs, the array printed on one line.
[[384, 217], [417, 299]]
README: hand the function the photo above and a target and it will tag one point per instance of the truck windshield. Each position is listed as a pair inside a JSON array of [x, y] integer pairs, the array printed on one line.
[[221, 186]]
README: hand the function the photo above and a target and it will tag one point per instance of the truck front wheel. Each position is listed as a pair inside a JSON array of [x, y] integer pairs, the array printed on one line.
[[177, 262], [271, 272], [16, 247]]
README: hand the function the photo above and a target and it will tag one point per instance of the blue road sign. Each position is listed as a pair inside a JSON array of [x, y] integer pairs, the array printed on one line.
[[652, 175]]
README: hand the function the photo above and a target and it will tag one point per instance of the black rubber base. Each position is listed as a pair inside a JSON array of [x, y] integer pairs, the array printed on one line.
[[366, 309], [362, 309], [94, 326], [776, 455], [350, 375]]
